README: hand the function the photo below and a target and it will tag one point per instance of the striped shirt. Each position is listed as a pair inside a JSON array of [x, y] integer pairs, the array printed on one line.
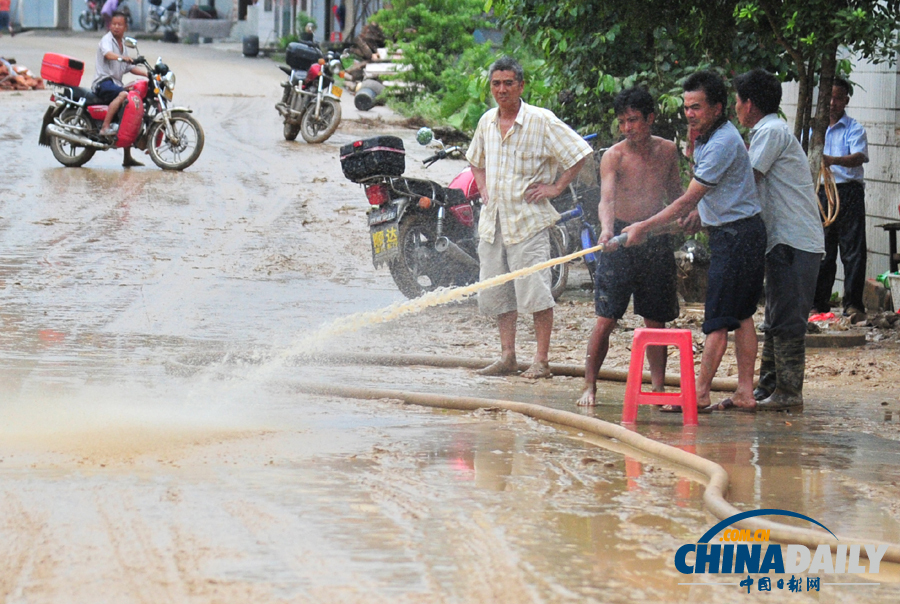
[[536, 145]]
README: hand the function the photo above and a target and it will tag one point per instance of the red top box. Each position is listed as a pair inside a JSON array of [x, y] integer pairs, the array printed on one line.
[[61, 69]]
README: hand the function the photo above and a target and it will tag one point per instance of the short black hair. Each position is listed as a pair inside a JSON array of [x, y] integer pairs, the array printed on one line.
[[507, 64], [119, 13], [712, 85], [761, 88], [634, 98], [843, 83]]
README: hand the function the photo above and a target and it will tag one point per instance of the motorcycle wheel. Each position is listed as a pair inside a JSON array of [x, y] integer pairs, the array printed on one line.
[[419, 269], [69, 154], [318, 130], [559, 274], [186, 148], [85, 21], [291, 131]]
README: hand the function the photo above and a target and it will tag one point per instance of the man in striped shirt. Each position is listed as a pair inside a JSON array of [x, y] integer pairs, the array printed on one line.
[[516, 153]]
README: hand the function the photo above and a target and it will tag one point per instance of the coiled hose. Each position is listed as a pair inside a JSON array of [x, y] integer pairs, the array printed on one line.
[[826, 179]]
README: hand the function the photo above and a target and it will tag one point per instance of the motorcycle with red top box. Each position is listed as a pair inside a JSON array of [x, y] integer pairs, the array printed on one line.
[[427, 234], [148, 120]]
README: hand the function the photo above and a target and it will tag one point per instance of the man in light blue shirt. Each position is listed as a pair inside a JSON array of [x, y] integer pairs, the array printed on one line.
[[846, 150], [794, 235]]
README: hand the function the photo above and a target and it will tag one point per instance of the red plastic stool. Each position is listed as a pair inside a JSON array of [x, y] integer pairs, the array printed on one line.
[[687, 398]]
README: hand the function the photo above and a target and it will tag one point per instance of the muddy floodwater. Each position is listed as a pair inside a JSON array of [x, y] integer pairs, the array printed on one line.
[[156, 446]]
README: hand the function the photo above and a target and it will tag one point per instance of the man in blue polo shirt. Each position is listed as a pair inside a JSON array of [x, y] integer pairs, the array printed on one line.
[[846, 150], [724, 195]]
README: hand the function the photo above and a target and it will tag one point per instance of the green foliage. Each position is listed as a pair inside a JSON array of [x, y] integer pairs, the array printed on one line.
[[466, 92], [578, 54], [431, 34], [596, 48], [302, 19], [283, 41]]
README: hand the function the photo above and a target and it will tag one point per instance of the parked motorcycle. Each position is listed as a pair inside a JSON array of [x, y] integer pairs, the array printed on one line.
[[168, 17], [90, 18], [148, 120], [425, 233], [311, 104]]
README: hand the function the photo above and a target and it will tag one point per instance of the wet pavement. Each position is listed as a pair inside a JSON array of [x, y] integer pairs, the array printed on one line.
[[124, 478]]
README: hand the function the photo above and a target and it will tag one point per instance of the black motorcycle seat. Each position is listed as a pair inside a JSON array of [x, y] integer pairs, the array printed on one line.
[[455, 197], [76, 93]]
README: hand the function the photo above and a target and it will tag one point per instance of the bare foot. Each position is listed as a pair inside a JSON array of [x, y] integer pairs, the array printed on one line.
[[744, 403], [588, 398], [538, 370], [131, 163], [502, 367]]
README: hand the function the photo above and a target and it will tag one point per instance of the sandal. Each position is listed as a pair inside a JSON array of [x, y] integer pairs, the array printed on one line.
[[726, 404], [670, 408]]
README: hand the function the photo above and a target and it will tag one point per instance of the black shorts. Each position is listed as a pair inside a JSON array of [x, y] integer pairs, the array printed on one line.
[[736, 270], [646, 271], [107, 91]]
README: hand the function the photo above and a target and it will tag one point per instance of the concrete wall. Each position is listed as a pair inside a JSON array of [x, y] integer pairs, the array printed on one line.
[[875, 105]]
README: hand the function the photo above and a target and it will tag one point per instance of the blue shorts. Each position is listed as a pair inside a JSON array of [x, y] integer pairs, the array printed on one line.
[[736, 270], [646, 271], [107, 91], [4, 19]]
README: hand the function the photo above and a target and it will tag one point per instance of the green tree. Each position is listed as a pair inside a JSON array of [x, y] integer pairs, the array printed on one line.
[[431, 34], [598, 47], [810, 33]]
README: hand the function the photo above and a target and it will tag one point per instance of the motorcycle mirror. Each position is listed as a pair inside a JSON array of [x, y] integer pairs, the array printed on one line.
[[130, 42], [424, 136]]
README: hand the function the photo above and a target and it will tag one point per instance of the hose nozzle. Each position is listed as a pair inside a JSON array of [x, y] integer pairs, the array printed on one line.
[[614, 243]]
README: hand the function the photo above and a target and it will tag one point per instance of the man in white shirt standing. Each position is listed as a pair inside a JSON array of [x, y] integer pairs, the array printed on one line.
[[515, 155], [846, 150], [795, 242]]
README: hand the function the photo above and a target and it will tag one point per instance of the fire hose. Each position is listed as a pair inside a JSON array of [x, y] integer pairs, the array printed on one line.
[[716, 476], [826, 178]]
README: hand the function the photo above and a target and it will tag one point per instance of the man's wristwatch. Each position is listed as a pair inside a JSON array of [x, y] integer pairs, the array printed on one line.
[[120, 59]]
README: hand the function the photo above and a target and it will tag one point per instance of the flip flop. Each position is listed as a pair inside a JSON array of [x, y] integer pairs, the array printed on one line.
[[726, 404], [670, 408], [723, 405]]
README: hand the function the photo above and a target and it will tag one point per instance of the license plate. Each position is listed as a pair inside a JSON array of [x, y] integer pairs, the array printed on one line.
[[337, 91], [168, 93], [381, 215], [385, 243]]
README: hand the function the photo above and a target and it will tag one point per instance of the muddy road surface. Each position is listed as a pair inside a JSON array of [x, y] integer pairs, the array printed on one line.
[[154, 446]]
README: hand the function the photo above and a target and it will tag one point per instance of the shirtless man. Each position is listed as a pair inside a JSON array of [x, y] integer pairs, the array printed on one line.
[[639, 176]]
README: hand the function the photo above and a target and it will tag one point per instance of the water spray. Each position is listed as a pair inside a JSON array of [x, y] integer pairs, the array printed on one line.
[[357, 321]]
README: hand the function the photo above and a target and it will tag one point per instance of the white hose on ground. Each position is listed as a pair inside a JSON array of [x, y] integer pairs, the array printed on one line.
[[713, 496]]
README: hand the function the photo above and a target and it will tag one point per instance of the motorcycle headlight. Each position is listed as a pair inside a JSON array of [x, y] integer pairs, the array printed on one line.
[[335, 66], [169, 79]]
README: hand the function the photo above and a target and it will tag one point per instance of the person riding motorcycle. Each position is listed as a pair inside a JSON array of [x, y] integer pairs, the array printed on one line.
[[113, 63]]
